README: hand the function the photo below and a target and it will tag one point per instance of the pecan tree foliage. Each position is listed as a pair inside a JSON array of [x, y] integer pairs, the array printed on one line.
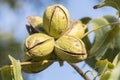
[[55, 37]]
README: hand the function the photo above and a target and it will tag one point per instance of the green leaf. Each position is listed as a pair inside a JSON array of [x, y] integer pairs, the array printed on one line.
[[85, 20], [113, 19], [87, 42], [6, 73], [112, 3], [103, 65], [98, 22], [115, 46], [103, 43], [16, 68], [116, 59], [115, 75], [110, 66], [110, 54], [100, 35], [117, 41], [91, 61], [105, 76]]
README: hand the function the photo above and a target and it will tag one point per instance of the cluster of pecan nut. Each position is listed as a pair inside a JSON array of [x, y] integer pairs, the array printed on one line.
[[53, 38]]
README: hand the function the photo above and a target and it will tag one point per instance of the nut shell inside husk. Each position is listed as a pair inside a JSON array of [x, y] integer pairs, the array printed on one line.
[[76, 29], [70, 49], [39, 45], [56, 20]]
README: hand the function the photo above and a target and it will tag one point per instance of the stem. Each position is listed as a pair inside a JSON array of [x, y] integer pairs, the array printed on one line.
[[79, 71], [91, 71], [28, 63], [99, 28], [24, 63]]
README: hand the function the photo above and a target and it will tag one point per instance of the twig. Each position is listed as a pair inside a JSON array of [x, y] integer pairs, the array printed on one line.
[[99, 28], [79, 71], [29, 63], [91, 71]]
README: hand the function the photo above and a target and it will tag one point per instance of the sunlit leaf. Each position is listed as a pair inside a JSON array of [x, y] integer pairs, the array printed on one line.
[[116, 59], [115, 75], [12, 72], [117, 41], [110, 66], [103, 43], [100, 34], [113, 49], [105, 76], [16, 68], [103, 65], [112, 3], [98, 22], [6, 73], [113, 19]]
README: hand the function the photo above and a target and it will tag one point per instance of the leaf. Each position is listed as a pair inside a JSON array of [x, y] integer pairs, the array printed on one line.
[[112, 3], [113, 19], [115, 75], [105, 76], [91, 61], [87, 42], [107, 52], [116, 59], [85, 20], [6, 73], [16, 69], [98, 22], [110, 66], [110, 54], [117, 41], [103, 65], [103, 43]]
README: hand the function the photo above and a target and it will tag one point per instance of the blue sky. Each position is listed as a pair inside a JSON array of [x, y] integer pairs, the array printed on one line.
[[17, 19]]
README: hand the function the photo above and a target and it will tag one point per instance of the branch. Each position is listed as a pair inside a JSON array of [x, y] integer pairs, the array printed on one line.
[[79, 71], [29, 63], [99, 28]]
